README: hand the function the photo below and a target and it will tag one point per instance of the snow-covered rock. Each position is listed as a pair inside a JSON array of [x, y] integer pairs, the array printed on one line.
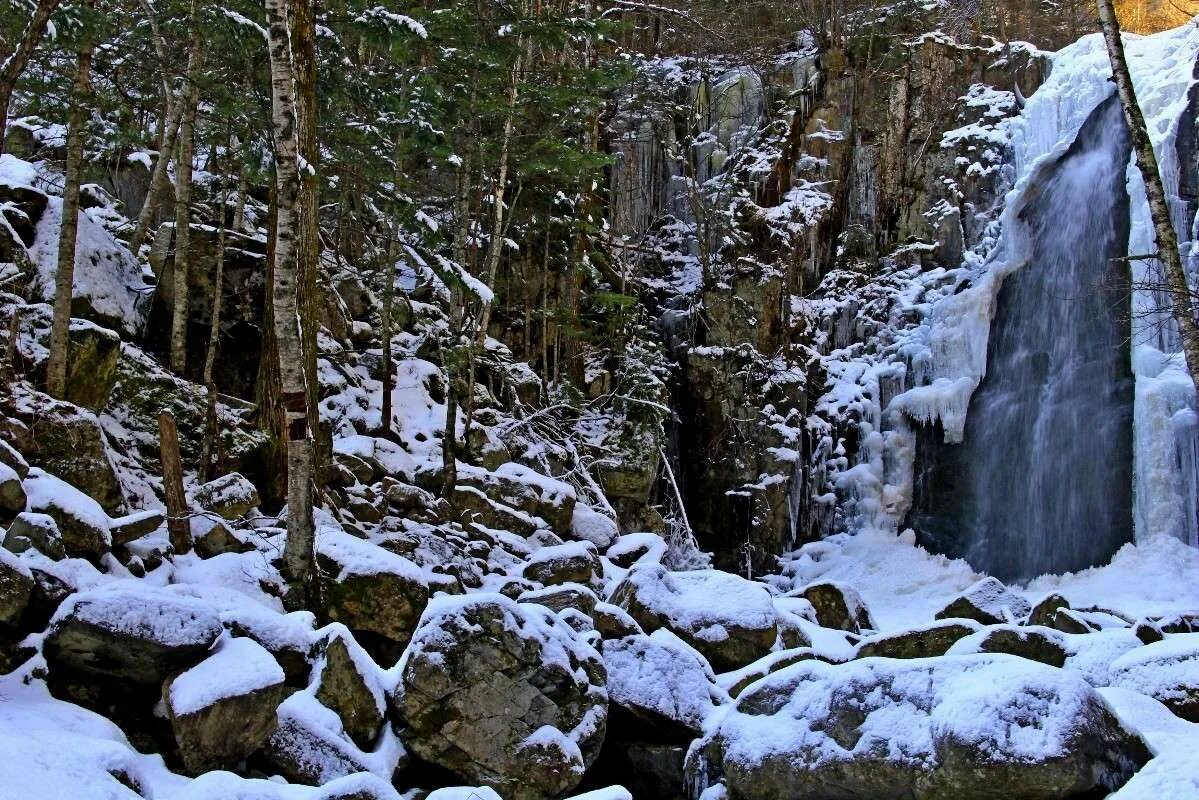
[[131, 632], [838, 606], [223, 709], [16, 584], [729, 620], [988, 602], [662, 682], [973, 726], [589, 525], [573, 562], [31, 530], [922, 642], [502, 694], [310, 745], [368, 588], [1167, 671], [229, 496], [348, 682]]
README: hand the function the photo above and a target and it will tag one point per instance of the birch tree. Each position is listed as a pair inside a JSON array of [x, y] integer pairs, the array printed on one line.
[[1168, 251], [299, 551]]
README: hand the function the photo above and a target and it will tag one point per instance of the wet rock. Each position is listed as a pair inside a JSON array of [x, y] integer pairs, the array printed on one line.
[[932, 640], [988, 602], [729, 620], [137, 634], [223, 709], [821, 730], [502, 695]]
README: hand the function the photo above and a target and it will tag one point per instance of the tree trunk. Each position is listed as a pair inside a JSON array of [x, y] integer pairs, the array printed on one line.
[[303, 48], [1167, 238], [214, 338], [178, 526], [14, 64], [64, 278], [183, 195], [298, 553]]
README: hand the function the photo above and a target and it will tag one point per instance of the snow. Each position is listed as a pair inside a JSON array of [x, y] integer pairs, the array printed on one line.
[[43, 491], [1173, 742], [591, 526], [355, 556], [237, 667]]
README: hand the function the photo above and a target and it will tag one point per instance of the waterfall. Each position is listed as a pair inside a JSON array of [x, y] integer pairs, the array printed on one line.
[[1042, 481]]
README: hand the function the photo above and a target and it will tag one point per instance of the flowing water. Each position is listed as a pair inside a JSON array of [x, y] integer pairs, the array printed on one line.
[[1043, 479]]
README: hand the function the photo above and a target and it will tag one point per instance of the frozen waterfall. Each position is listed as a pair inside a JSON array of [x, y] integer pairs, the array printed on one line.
[[1043, 479]]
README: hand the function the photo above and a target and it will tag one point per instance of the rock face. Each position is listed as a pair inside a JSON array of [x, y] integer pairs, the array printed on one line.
[[140, 635], [731, 633], [988, 602], [223, 709], [504, 695], [986, 726]]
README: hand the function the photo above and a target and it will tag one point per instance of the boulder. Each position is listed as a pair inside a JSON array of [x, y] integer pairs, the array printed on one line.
[[931, 640], [12, 494], [981, 726], [14, 460], [81, 521], [589, 525], [636, 548], [310, 746], [1044, 645], [229, 496], [223, 709], [368, 588], [562, 597], [348, 684], [729, 620], [212, 537], [1045, 613], [1167, 671], [663, 683], [503, 695], [613, 622], [988, 602], [139, 634], [16, 585], [575, 562], [130, 527], [516, 486], [67, 442], [31, 530], [838, 606]]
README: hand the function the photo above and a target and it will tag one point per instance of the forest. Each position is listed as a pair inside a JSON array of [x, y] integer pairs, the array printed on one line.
[[599, 399]]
